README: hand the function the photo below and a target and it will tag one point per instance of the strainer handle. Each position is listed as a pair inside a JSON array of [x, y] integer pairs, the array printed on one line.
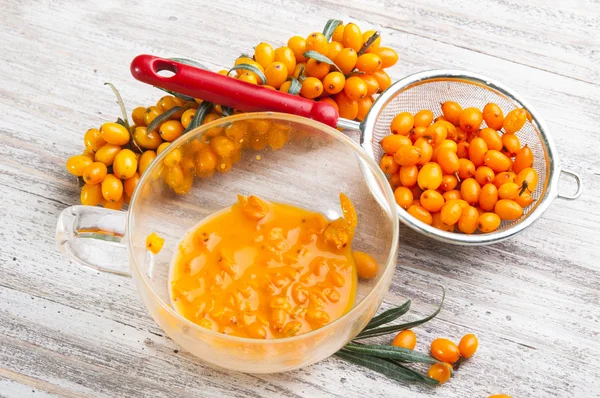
[[224, 90], [579, 186]]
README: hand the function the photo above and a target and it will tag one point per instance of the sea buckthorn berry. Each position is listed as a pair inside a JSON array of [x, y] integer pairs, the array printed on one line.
[[338, 33], [523, 159], [445, 350], [452, 111], [368, 63], [106, 154], [462, 150], [114, 133], [418, 132], [91, 195], [334, 49], [394, 181], [186, 118], [468, 345], [112, 188], [425, 148], [510, 190], [138, 116], [364, 105], [493, 116], [145, 139], [151, 113], [408, 175], [248, 77], [488, 222], [432, 200], [383, 79], [466, 168], [77, 164], [439, 224], [449, 144], [405, 339], [461, 135], [527, 179], [317, 42], [174, 176], [524, 199], [222, 146], [352, 37], [492, 138], [113, 205], [388, 56], [286, 56], [449, 182], [372, 84], [452, 131], [311, 88], [420, 213], [206, 161], [503, 178], [470, 119], [348, 108], [470, 190], [508, 209], [452, 194], [451, 212], [497, 161], [298, 46], [440, 372], [366, 266], [404, 197], [477, 151], [510, 144], [93, 140], [514, 120], [423, 118], [484, 175], [448, 161], [125, 164], [94, 173], [402, 123], [317, 69], [388, 165], [285, 87], [299, 70], [171, 130], [276, 74], [436, 133], [130, 184], [467, 223], [430, 176], [167, 102], [346, 60], [488, 197], [499, 396], [145, 160], [154, 243], [375, 45], [407, 156], [355, 88], [173, 158], [264, 54]]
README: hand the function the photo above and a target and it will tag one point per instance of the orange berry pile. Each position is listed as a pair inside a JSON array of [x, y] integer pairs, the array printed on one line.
[[454, 172], [444, 350]]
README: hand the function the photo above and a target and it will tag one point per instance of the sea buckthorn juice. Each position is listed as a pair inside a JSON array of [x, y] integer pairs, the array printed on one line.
[[265, 270]]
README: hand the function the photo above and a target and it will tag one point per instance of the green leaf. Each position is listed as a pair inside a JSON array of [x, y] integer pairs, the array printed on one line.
[[227, 111], [121, 104], [295, 86], [395, 328], [330, 28], [250, 68], [390, 369], [390, 352], [321, 58], [368, 43], [203, 110], [190, 62], [178, 95], [163, 117], [388, 316]]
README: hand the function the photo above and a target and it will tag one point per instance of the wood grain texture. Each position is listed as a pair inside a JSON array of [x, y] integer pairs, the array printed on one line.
[[533, 301]]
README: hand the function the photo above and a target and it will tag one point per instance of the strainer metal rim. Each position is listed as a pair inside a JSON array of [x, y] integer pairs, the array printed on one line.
[[552, 161]]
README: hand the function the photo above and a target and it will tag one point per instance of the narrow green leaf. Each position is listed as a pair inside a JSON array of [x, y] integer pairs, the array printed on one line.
[[190, 62], [321, 58], [121, 104], [368, 43], [388, 368], [395, 328], [295, 86], [388, 316], [250, 68], [203, 110], [227, 111], [330, 27], [390, 352], [178, 95], [163, 117]]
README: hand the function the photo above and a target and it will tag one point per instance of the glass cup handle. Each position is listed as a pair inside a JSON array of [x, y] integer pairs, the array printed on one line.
[[94, 238]]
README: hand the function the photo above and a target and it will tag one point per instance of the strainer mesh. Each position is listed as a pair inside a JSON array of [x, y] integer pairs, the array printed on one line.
[[430, 95]]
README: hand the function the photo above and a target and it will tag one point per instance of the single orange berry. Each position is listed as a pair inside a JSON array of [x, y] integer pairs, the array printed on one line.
[[405, 339], [445, 350], [468, 345]]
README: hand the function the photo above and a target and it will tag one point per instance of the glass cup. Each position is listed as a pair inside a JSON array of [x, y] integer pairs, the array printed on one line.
[[284, 158]]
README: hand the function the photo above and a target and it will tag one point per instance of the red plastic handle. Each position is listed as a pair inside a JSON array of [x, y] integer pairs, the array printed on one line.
[[224, 90]]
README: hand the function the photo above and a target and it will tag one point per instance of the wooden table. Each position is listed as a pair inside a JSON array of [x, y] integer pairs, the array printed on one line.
[[533, 300]]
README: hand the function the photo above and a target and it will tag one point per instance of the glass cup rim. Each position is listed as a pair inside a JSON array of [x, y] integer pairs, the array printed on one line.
[[340, 137]]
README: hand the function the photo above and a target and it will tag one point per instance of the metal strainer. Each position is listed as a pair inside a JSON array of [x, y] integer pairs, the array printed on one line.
[[425, 90]]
